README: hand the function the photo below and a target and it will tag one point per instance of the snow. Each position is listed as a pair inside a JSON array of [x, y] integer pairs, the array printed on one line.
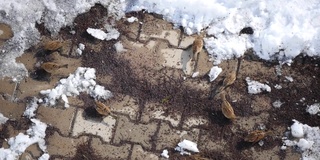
[[307, 140], [44, 157], [277, 86], [289, 78], [255, 87], [195, 74], [297, 129], [80, 48], [97, 33], [32, 106], [165, 153], [3, 119], [119, 47], [132, 19], [83, 80], [186, 145], [214, 73], [21, 142], [275, 28], [277, 104], [100, 34], [313, 109]]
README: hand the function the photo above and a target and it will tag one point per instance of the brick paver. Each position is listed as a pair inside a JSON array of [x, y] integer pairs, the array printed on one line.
[[138, 154], [87, 126], [133, 132], [59, 118], [109, 151], [64, 146]]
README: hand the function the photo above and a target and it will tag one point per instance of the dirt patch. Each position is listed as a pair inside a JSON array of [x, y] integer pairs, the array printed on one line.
[[86, 152]]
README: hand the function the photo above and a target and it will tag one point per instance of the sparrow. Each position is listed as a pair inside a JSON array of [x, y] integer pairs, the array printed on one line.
[[52, 67], [256, 136], [226, 108], [102, 109]]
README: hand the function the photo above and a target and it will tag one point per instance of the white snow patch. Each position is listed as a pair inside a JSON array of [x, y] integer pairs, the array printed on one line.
[[44, 157], [3, 119], [277, 86], [119, 47], [21, 142], [297, 129], [277, 104], [307, 140], [186, 145], [195, 74], [100, 34], [32, 106], [97, 33], [80, 48], [214, 73], [289, 78], [313, 109], [83, 80], [255, 87], [165, 153], [132, 19]]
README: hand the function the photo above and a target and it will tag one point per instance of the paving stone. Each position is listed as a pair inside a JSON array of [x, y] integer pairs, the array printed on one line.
[[64, 146], [26, 156], [137, 133], [127, 106], [169, 138], [103, 129], [138, 153], [266, 154], [194, 121], [171, 35], [153, 26], [12, 110], [177, 58], [110, 151], [156, 111], [7, 87], [59, 118], [186, 42], [34, 150]]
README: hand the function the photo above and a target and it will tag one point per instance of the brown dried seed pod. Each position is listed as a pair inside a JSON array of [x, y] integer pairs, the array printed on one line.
[[227, 110], [102, 108], [256, 136], [52, 67], [53, 45], [197, 47]]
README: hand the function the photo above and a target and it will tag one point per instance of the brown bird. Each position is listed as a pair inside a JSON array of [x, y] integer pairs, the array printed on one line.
[[256, 136], [197, 47], [52, 67], [53, 45], [226, 108], [102, 108], [229, 79]]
